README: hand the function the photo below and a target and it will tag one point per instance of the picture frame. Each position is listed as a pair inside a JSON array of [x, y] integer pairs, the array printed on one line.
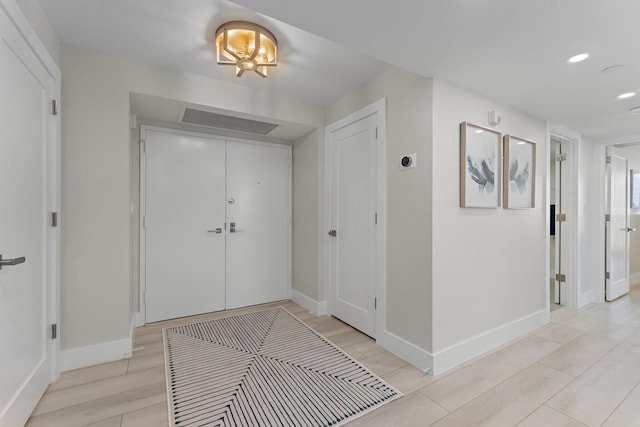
[[480, 167], [634, 186], [519, 173]]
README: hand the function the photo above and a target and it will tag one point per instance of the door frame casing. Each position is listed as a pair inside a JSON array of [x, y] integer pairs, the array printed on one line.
[[379, 108], [570, 232], [600, 155], [142, 279]]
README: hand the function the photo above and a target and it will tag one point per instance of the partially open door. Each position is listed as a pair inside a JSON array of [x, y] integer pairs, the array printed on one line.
[[617, 226]]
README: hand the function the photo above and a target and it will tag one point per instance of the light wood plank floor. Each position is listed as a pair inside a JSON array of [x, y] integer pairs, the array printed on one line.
[[582, 369]]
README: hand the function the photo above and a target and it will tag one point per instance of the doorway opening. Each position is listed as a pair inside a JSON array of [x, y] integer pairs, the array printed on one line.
[[562, 278], [558, 292]]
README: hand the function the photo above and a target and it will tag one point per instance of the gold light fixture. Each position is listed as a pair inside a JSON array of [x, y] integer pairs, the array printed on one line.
[[248, 46]]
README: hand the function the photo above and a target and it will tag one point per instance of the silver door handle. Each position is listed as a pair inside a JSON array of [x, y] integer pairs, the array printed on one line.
[[8, 262], [333, 233], [629, 229], [217, 231]]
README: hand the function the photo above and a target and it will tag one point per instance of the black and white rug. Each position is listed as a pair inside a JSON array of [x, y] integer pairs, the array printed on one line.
[[265, 368]]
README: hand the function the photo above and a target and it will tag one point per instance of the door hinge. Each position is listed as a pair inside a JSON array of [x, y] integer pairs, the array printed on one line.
[[143, 143], [607, 275], [376, 218], [607, 217], [561, 277], [608, 159], [54, 219], [376, 133], [561, 157], [54, 331], [375, 303], [144, 222], [561, 217], [144, 296], [54, 107]]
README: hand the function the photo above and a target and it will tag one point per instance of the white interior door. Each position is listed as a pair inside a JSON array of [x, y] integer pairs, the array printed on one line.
[[258, 215], [25, 349], [352, 218], [617, 229], [184, 225]]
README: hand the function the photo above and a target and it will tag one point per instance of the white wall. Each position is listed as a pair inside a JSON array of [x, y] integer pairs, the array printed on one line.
[[308, 155], [99, 172], [408, 258], [489, 265]]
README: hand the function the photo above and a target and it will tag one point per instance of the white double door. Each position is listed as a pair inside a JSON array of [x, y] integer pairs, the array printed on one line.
[[216, 223]]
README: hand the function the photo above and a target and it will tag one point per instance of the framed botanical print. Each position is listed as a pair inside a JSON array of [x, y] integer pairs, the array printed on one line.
[[519, 173], [479, 166]]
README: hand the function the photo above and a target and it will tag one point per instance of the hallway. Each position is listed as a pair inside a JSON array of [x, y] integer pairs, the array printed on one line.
[[583, 368]]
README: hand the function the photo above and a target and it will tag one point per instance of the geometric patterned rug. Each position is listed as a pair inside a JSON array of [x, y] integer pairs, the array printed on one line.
[[265, 368]]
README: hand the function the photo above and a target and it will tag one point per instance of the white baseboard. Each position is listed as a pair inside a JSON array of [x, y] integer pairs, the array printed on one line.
[[81, 357], [316, 307], [634, 280], [408, 352], [140, 320], [458, 353], [585, 298]]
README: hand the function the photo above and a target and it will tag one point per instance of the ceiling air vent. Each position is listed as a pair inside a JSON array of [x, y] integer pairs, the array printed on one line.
[[214, 120]]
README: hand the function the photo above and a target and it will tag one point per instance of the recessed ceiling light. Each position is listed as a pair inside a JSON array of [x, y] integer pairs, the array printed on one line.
[[635, 110], [578, 58], [626, 95]]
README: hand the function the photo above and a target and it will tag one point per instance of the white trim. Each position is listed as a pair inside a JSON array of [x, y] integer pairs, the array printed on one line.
[[378, 107], [318, 308], [405, 350], [585, 298], [81, 357], [140, 320], [489, 340], [634, 280], [132, 328]]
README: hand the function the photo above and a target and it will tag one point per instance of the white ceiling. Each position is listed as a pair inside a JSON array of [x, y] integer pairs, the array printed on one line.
[[512, 51]]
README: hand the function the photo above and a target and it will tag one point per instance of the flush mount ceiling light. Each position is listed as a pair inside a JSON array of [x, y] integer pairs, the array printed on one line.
[[626, 95], [578, 58], [248, 46]]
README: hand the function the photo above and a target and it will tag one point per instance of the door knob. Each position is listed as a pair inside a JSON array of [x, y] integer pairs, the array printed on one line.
[[232, 227], [629, 229], [217, 231], [333, 233], [9, 262]]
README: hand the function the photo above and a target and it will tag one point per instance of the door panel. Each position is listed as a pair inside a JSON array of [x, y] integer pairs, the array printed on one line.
[[25, 354], [353, 201], [258, 191], [617, 251], [185, 256]]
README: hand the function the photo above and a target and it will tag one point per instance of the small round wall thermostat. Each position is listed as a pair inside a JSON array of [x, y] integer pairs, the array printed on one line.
[[406, 161]]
